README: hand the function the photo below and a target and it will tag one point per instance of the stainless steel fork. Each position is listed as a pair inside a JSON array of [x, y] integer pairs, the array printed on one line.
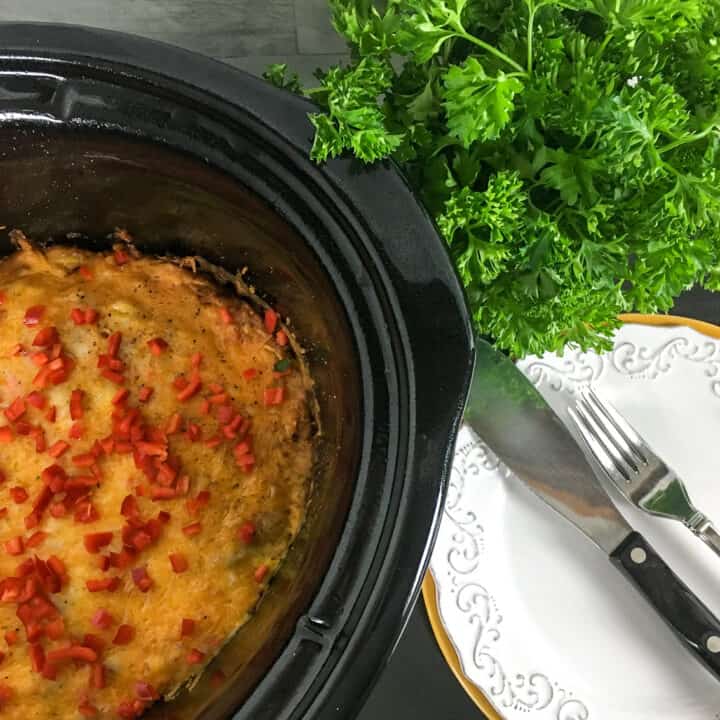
[[635, 469]]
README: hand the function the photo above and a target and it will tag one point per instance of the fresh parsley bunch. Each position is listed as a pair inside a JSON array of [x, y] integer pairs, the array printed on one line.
[[569, 150]]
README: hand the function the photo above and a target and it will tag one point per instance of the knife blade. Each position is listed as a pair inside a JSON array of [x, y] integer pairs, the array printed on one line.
[[509, 414]]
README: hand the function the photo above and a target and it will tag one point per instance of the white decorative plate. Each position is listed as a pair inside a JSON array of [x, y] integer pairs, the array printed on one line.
[[541, 623]]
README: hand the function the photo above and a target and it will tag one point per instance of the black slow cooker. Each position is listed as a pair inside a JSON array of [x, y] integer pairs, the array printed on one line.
[[101, 130]]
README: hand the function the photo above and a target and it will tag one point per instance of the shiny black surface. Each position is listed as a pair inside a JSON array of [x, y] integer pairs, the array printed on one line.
[[379, 251], [691, 621]]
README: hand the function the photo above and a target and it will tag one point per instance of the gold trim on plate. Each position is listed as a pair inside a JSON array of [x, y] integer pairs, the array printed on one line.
[[429, 589]]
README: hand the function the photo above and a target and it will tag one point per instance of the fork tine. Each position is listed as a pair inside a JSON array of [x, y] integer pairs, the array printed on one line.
[[599, 430], [613, 436], [624, 431], [596, 447]]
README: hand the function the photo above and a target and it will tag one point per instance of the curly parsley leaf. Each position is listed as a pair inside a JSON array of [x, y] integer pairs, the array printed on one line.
[[477, 105], [569, 150], [278, 75], [355, 120]]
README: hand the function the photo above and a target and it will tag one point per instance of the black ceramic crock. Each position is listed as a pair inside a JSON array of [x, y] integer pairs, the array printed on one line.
[[99, 130]]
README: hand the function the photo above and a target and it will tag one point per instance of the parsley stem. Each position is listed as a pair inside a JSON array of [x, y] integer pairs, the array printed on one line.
[[531, 20], [686, 140], [494, 51]]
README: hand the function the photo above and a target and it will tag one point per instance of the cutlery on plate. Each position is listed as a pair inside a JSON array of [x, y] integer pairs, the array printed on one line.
[[640, 475], [517, 423]]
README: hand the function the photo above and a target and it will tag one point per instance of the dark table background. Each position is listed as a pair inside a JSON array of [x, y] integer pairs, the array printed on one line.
[[418, 684]]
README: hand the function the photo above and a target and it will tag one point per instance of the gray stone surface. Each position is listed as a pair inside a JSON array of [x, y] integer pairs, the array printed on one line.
[[315, 33], [244, 31]]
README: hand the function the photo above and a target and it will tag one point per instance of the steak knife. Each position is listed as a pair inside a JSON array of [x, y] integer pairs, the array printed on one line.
[[516, 422]]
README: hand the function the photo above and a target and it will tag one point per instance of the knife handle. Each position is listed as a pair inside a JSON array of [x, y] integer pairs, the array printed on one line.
[[693, 623]]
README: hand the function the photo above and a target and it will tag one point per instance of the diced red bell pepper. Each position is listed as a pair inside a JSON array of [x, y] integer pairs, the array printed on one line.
[[261, 573], [225, 414], [77, 315], [129, 507], [102, 619], [16, 409], [36, 539], [182, 487], [273, 395], [58, 448], [85, 512], [246, 532], [79, 653], [194, 505], [157, 346], [187, 627], [76, 404], [113, 376], [36, 399], [95, 541], [179, 562], [18, 494], [195, 657], [192, 388], [54, 477], [192, 529], [194, 432], [173, 424], [124, 635], [270, 320], [97, 678], [121, 257], [114, 344], [45, 337], [141, 578], [15, 546], [33, 315], [37, 657], [162, 493], [120, 396], [98, 585], [55, 629], [84, 459]]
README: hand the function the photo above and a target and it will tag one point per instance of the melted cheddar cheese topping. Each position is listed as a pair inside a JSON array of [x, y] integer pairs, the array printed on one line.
[[155, 458]]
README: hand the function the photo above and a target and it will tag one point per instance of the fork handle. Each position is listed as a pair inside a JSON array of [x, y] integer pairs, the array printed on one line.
[[708, 534], [696, 627]]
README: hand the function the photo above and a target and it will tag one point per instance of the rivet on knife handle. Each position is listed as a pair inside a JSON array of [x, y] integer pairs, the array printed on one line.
[[690, 619]]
